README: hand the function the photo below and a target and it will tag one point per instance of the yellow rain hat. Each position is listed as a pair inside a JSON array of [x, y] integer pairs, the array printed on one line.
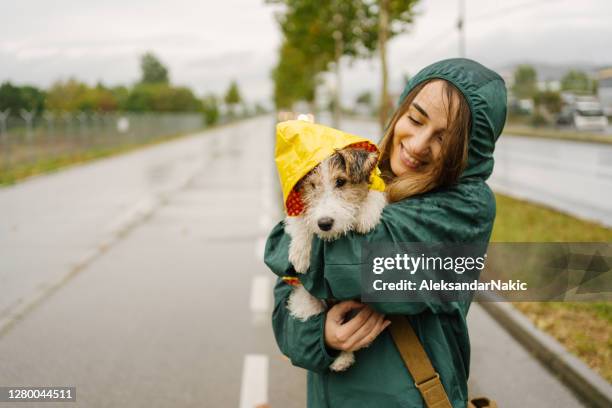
[[301, 146]]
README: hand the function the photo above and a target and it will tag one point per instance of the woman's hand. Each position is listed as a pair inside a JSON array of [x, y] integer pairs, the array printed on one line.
[[356, 333]]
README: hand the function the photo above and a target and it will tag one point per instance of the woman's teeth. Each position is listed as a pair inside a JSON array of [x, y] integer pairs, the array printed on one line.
[[409, 160]]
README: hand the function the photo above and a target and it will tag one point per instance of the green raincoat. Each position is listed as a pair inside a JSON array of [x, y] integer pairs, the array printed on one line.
[[463, 213]]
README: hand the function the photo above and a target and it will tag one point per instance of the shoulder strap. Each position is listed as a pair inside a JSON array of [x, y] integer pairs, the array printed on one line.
[[426, 379]]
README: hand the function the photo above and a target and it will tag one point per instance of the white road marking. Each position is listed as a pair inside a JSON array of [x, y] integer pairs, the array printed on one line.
[[260, 300], [254, 388], [260, 294]]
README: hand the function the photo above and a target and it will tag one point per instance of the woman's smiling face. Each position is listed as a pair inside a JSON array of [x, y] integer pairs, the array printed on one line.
[[419, 132]]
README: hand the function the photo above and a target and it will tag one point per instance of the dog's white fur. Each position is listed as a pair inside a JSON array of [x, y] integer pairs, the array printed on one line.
[[352, 206]]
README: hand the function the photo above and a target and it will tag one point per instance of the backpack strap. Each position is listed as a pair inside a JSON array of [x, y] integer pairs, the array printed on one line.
[[426, 379]]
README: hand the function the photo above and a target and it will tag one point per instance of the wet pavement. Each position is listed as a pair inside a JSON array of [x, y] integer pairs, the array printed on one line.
[[573, 177], [139, 280]]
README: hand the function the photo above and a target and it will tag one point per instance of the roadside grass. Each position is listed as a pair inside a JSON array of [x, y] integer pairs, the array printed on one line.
[[584, 328], [22, 171]]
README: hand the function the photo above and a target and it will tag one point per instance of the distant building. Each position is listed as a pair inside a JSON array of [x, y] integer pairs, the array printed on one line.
[[604, 90]]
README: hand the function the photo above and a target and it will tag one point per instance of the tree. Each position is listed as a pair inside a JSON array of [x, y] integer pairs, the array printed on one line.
[[68, 96], [525, 82], [395, 17], [576, 81], [365, 101], [364, 98], [153, 71], [161, 98], [550, 100], [323, 32], [17, 98], [295, 77], [33, 99], [232, 97], [326, 31], [260, 109], [210, 108]]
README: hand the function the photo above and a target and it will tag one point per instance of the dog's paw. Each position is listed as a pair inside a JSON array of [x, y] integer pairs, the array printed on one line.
[[300, 261], [302, 305], [343, 361]]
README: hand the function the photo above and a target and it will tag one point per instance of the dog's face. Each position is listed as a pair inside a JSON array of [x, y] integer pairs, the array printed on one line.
[[334, 191]]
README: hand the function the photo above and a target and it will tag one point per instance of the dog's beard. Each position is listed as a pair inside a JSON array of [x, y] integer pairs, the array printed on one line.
[[342, 212]]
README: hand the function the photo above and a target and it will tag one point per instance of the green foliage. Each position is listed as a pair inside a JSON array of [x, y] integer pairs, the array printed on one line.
[[73, 96], [17, 98], [121, 94], [525, 82], [311, 26], [521, 221], [577, 81], [316, 34], [161, 98], [295, 77], [68, 96], [210, 108], [232, 96], [550, 100], [153, 93], [364, 98], [539, 120], [153, 71]]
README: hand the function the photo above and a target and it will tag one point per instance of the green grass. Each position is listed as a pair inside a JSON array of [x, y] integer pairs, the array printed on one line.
[[47, 165], [584, 328], [520, 221]]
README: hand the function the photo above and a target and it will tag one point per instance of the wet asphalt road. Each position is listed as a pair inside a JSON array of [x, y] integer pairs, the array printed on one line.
[[139, 280], [570, 176]]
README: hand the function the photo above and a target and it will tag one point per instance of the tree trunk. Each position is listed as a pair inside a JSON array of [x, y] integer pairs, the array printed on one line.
[[337, 94], [385, 107]]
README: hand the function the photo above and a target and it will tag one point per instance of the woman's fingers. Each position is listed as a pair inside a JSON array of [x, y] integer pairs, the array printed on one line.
[[364, 331], [339, 310], [356, 333], [381, 325], [349, 328]]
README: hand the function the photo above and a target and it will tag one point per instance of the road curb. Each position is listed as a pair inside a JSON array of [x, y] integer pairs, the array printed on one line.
[[591, 387]]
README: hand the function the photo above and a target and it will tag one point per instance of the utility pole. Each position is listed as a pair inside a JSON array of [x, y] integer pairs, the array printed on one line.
[[461, 28]]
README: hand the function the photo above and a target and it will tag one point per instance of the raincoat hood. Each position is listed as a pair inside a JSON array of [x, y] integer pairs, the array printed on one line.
[[301, 146], [485, 93]]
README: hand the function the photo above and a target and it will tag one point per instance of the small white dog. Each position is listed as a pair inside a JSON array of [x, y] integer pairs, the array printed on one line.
[[336, 200]]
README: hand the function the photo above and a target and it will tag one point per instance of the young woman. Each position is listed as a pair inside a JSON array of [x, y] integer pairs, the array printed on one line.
[[437, 153]]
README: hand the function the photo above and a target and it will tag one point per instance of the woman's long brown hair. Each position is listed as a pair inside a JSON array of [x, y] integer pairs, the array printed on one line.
[[453, 157]]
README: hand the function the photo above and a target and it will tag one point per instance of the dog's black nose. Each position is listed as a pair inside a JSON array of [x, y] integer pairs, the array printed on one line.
[[325, 223]]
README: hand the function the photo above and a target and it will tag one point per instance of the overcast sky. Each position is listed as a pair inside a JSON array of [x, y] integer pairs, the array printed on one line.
[[207, 43]]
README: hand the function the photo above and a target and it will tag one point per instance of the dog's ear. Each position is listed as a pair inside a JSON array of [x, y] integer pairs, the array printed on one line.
[[358, 163]]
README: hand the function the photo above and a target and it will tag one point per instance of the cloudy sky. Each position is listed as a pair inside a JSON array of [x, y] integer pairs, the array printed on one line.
[[206, 43]]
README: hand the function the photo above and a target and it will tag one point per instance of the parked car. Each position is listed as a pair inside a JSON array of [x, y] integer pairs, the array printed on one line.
[[584, 113]]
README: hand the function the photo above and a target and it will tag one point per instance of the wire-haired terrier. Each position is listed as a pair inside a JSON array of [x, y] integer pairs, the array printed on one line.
[[337, 199]]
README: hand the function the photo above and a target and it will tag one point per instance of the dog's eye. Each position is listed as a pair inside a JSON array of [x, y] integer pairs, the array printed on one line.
[[340, 182]]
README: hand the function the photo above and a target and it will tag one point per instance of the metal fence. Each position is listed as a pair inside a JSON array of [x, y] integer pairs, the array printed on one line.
[[27, 140]]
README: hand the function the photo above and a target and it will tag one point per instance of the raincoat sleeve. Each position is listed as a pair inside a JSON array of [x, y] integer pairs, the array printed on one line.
[[459, 215], [302, 342]]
